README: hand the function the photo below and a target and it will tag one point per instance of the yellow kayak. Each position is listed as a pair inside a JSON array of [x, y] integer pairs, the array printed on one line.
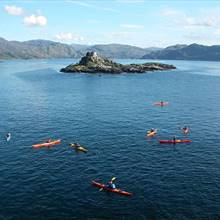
[[151, 133], [79, 148]]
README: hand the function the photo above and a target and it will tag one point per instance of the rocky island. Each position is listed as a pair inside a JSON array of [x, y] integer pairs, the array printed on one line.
[[92, 63]]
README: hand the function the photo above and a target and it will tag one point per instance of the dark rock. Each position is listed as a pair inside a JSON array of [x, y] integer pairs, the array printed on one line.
[[92, 63]]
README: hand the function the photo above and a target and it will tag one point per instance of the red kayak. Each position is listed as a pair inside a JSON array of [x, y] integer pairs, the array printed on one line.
[[103, 186], [47, 144], [161, 103], [174, 142]]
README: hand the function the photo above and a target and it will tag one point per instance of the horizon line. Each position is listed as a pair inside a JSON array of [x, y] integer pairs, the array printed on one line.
[[72, 43]]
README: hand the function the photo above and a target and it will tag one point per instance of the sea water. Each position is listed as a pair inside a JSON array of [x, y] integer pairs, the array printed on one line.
[[109, 115]]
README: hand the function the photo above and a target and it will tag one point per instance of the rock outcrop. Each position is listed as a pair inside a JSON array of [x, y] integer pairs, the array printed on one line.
[[92, 63]]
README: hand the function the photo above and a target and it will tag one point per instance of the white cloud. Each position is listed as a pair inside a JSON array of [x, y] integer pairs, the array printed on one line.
[[69, 37], [13, 10], [132, 26], [202, 38], [206, 22], [92, 6], [180, 18], [131, 1], [35, 20]]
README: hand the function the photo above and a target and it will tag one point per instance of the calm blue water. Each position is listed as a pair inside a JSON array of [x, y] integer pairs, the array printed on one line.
[[110, 115]]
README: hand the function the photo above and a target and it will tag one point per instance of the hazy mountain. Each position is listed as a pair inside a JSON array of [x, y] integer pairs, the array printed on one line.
[[80, 46], [118, 50], [186, 52], [115, 50], [49, 49], [153, 48], [35, 49]]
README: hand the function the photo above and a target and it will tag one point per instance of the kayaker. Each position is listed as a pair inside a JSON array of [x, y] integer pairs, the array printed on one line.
[[76, 145], [49, 140], [8, 136], [111, 184], [174, 139], [161, 103], [185, 128]]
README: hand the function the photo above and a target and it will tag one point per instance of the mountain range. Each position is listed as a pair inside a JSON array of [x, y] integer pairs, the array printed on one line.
[[50, 49], [187, 52]]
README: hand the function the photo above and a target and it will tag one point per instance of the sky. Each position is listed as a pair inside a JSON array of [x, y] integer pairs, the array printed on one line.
[[143, 23]]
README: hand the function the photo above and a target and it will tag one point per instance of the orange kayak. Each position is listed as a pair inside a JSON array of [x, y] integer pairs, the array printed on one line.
[[47, 144], [151, 133]]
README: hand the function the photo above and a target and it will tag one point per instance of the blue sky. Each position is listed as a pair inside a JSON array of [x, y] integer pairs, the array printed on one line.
[[145, 23]]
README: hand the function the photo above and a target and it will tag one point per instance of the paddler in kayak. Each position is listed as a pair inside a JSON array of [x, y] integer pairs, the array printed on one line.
[[185, 130], [174, 139], [78, 147], [111, 184], [151, 133], [161, 103], [8, 136]]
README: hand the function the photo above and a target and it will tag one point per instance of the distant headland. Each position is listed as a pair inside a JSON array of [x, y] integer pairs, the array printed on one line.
[[93, 63]]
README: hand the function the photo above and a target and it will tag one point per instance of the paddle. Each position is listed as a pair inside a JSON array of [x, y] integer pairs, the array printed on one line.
[[154, 131], [113, 179]]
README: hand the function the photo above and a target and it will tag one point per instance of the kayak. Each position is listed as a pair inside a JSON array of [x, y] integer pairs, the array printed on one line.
[[174, 142], [47, 144], [118, 191], [80, 148], [151, 133], [161, 104]]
